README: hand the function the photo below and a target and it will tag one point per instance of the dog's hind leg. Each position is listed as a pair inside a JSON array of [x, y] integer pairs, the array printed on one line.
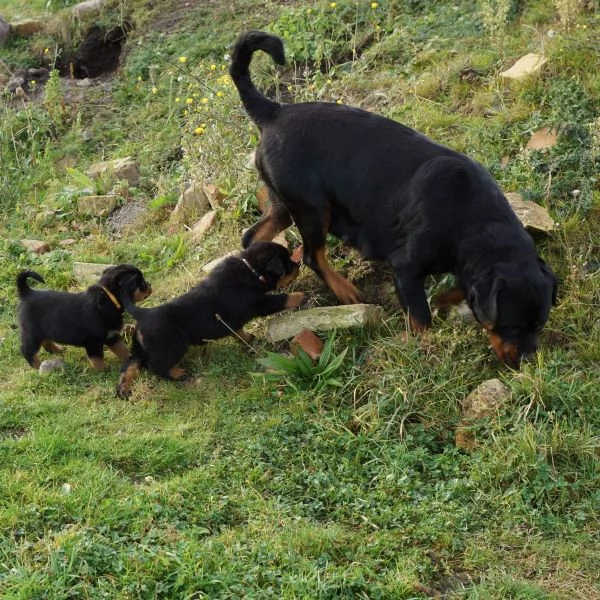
[[129, 371], [411, 293], [52, 347], [95, 355], [29, 349], [118, 347], [276, 218]]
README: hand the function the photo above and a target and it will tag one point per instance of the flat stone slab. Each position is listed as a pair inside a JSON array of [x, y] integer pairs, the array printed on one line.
[[37, 246], [532, 215], [525, 66], [323, 318], [89, 272], [96, 206], [542, 139], [122, 168], [208, 267]]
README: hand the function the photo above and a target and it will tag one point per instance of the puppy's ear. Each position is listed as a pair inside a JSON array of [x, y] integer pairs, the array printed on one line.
[[276, 266], [547, 272], [483, 299]]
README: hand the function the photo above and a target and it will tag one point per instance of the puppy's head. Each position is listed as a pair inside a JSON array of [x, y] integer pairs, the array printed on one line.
[[273, 262], [513, 308], [126, 277]]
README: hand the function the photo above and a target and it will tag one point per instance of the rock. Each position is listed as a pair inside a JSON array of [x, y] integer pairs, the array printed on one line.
[[280, 239], [462, 313], [482, 402], [52, 364], [88, 8], [532, 215], [127, 216], [24, 78], [85, 83], [323, 318], [214, 194], [309, 342], [250, 160], [26, 28], [36, 246], [122, 168], [192, 205], [202, 226], [88, 272], [4, 31], [67, 242], [262, 195], [208, 267], [96, 206], [525, 66], [542, 139]]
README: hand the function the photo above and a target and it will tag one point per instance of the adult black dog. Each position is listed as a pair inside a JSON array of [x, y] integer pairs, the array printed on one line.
[[235, 292], [394, 194], [92, 318]]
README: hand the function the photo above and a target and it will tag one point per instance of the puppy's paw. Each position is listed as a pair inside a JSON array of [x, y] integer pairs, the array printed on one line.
[[178, 374], [296, 299], [123, 391]]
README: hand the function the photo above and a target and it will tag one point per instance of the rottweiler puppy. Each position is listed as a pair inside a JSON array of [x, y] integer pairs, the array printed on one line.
[[235, 292], [394, 194], [91, 319]]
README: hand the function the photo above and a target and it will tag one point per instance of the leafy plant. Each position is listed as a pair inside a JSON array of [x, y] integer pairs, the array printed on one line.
[[301, 367]]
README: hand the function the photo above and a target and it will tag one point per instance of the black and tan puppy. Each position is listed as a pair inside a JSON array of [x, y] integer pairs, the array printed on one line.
[[235, 292], [394, 194], [91, 319]]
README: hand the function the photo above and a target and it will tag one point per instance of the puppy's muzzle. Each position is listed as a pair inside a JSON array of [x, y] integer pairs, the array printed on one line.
[[294, 271]]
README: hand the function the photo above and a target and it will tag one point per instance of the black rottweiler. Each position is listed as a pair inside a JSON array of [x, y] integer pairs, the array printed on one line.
[[394, 194], [89, 319], [235, 292]]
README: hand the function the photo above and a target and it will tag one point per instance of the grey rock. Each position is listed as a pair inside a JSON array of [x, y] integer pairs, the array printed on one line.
[[52, 364], [4, 31], [88, 272]]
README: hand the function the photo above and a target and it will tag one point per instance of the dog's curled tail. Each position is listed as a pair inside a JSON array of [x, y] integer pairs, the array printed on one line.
[[23, 288], [257, 105]]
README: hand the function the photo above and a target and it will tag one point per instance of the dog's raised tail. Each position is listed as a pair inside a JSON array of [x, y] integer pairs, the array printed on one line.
[[257, 105], [23, 288]]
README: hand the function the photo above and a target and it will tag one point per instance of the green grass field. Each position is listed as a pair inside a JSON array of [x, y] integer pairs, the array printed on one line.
[[237, 486]]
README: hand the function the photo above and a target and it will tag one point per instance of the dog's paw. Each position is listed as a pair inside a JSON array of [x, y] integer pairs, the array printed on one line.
[[179, 374], [296, 299]]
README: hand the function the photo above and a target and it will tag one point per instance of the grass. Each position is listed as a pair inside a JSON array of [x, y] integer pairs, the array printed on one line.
[[235, 485]]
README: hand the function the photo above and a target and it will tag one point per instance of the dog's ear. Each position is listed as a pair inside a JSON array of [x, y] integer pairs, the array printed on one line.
[[276, 266], [483, 299], [548, 273]]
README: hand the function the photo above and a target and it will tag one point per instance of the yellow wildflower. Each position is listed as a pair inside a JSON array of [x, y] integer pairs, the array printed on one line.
[[177, 99], [204, 100], [154, 89], [199, 130], [213, 67], [333, 5], [219, 94], [373, 5], [189, 100], [182, 59]]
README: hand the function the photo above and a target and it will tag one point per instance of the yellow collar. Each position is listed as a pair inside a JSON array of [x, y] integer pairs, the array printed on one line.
[[112, 298]]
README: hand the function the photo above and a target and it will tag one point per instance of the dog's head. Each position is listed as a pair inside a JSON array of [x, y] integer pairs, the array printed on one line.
[[513, 308], [272, 262], [125, 277]]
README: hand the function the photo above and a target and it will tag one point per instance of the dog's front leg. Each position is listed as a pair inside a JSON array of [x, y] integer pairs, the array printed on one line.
[[95, 354], [277, 302], [411, 293], [118, 347]]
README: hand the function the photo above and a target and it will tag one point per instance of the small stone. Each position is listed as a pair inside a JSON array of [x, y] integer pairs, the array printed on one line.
[[324, 318], [84, 83], [88, 272], [87, 8], [4, 31], [67, 242], [462, 313], [96, 206], [251, 161], [36, 246], [122, 168], [542, 139], [525, 66], [192, 205], [26, 28], [214, 194], [280, 239], [311, 343], [532, 215], [482, 402], [202, 226], [52, 364], [208, 267]]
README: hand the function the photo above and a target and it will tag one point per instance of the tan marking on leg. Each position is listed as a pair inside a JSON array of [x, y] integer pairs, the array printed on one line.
[[35, 361], [241, 336], [127, 378], [344, 291], [52, 347], [449, 298], [416, 326], [177, 373], [96, 362], [295, 299], [120, 350]]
